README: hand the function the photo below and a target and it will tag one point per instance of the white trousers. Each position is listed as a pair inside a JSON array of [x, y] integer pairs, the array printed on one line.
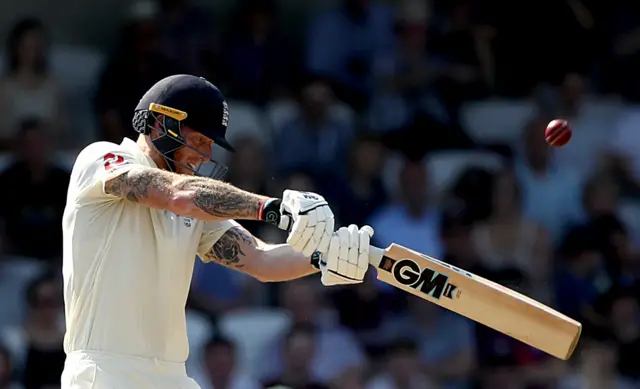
[[91, 370]]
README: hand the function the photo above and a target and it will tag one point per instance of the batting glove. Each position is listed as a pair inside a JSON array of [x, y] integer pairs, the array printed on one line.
[[306, 216], [347, 259]]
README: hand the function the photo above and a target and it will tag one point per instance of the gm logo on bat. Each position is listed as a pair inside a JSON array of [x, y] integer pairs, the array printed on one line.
[[427, 281]]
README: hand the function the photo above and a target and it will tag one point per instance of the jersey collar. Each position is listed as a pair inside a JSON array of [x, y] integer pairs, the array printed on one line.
[[132, 147]]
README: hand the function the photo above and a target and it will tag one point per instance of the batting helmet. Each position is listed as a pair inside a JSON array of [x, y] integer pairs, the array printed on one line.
[[184, 100]]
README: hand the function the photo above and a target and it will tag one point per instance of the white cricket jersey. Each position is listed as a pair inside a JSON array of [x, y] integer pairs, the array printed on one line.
[[127, 268]]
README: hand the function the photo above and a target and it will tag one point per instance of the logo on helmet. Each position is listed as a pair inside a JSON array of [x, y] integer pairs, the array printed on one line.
[[171, 112], [225, 114]]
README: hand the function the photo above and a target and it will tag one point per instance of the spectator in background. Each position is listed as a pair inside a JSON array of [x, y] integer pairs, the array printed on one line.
[[402, 370], [524, 35], [137, 63], [351, 379], [362, 309], [33, 196], [551, 193], [600, 197], [314, 140], [249, 169], [445, 342], [405, 78], [624, 51], [335, 350], [221, 367], [581, 276], [456, 229], [473, 189], [509, 240], [362, 192], [257, 61], [37, 344], [623, 158], [188, 37], [622, 261], [6, 370], [500, 372], [216, 290], [299, 349], [588, 118], [621, 309], [455, 44], [343, 42], [596, 366], [28, 90], [414, 221]]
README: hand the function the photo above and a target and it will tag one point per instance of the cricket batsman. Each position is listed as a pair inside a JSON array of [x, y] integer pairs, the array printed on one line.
[[138, 213]]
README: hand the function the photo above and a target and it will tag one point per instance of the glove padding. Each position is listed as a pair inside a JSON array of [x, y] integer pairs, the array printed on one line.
[[347, 260], [312, 221]]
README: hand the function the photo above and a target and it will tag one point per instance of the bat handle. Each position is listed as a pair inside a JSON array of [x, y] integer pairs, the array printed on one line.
[[375, 255]]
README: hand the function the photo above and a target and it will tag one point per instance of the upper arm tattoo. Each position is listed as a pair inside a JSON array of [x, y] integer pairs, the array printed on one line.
[[230, 249], [134, 185]]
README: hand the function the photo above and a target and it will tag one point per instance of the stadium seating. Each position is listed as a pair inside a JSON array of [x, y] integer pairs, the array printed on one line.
[[496, 121]]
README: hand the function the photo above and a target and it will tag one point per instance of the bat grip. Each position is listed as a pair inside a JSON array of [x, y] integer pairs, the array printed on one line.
[[375, 255]]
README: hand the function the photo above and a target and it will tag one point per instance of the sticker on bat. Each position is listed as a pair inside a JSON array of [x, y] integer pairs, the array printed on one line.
[[427, 281]]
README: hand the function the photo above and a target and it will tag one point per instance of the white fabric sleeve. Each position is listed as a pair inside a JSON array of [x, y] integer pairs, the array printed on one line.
[[95, 165], [211, 233]]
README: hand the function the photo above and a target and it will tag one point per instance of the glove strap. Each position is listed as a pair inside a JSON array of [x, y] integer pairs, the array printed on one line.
[[315, 259]]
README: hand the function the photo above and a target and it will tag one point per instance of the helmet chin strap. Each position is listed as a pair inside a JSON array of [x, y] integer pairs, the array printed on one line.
[[171, 166]]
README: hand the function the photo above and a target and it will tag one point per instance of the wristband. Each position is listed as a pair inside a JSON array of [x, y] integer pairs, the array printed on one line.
[[269, 211]]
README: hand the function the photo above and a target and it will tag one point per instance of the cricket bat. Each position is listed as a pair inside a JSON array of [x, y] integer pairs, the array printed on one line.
[[478, 299]]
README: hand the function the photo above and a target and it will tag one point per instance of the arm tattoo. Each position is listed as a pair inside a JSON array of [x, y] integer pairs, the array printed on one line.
[[134, 185], [226, 201], [213, 197], [228, 250]]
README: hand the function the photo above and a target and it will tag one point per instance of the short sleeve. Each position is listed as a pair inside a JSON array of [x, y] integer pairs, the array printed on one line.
[[95, 165], [211, 232]]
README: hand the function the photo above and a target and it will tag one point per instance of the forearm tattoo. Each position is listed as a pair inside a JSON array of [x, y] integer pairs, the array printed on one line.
[[223, 200], [229, 249], [213, 197]]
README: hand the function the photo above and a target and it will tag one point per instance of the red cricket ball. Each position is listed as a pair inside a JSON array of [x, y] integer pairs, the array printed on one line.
[[558, 133]]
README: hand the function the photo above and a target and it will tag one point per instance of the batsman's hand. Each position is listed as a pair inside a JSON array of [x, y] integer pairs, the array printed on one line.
[[311, 221], [347, 259]]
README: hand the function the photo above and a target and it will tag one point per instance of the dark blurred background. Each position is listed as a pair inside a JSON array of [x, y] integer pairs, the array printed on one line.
[[424, 119]]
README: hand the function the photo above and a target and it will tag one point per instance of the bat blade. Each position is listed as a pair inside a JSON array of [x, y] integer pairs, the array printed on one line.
[[478, 299]]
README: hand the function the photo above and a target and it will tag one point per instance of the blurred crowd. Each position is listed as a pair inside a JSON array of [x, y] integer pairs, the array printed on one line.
[[424, 119]]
